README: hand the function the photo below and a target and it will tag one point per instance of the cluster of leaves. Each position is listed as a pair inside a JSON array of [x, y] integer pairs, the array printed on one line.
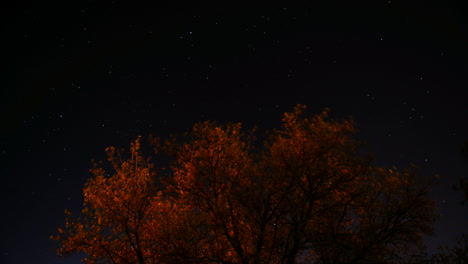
[[453, 255], [304, 196]]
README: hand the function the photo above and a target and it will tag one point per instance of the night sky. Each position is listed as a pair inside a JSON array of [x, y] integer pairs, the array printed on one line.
[[84, 75]]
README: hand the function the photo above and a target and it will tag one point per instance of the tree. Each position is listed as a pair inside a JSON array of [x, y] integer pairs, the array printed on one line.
[[453, 255], [116, 217], [306, 195], [126, 220]]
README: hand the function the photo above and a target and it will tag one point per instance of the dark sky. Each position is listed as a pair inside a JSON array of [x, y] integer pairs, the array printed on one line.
[[79, 77]]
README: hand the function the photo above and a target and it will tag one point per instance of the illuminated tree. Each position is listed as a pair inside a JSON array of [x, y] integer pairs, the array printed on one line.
[[114, 222], [304, 196], [125, 220]]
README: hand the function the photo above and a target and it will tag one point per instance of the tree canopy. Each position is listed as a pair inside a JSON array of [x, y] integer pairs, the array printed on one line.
[[305, 196]]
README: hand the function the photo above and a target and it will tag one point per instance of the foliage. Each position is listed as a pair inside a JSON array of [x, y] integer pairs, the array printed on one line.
[[305, 196], [457, 254]]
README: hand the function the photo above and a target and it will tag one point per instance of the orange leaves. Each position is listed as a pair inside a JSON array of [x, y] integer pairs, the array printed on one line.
[[115, 209], [225, 199]]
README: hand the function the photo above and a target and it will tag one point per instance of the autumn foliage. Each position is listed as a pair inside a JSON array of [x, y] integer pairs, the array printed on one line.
[[304, 196]]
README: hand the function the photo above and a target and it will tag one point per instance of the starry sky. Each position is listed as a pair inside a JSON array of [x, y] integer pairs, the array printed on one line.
[[80, 76]]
